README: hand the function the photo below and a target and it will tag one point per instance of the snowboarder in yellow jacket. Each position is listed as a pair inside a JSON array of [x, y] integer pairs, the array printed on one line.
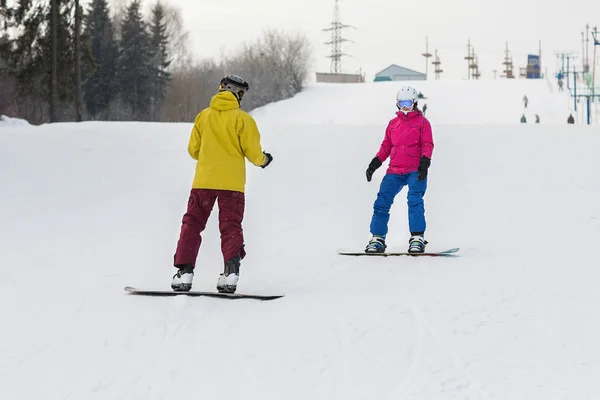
[[222, 138]]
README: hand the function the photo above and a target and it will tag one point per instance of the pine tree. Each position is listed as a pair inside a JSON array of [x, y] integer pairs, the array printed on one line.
[[7, 85], [100, 87], [25, 61], [66, 60], [159, 61], [134, 63], [31, 58]]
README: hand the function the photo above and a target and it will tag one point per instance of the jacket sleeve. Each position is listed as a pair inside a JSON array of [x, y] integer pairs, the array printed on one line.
[[250, 141], [426, 139], [386, 146], [194, 144]]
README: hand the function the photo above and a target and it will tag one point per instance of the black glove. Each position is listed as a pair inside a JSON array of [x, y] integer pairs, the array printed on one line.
[[375, 163], [423, 167], [268, 161]]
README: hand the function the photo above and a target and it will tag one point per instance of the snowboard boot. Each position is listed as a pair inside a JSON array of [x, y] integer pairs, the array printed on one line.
[[182, 280], [228, 280], [416, 244], [376, 245]]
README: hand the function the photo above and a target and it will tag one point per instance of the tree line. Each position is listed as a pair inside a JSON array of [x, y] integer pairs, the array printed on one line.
[[119, 64]]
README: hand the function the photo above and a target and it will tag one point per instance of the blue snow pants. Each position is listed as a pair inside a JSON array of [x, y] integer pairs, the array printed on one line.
[[391, 185]]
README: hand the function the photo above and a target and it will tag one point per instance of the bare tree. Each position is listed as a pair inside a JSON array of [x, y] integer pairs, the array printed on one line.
[[178, 36], [297, 61], [190, 90], [276, 65]]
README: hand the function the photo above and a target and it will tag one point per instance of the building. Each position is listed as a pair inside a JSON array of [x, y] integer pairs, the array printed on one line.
[[397, 73], [339, 78]]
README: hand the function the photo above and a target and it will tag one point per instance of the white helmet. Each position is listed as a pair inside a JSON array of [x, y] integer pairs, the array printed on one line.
[[409, 96], [407, 93]]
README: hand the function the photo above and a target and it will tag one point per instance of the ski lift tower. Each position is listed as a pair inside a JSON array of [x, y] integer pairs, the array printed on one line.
[[596, 43]]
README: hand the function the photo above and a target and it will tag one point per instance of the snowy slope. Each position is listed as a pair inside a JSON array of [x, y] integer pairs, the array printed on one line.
[[448, 102], [86, 209], [7, 122]]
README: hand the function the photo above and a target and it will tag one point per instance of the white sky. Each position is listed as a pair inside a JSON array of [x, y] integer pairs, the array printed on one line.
[[394, 31]]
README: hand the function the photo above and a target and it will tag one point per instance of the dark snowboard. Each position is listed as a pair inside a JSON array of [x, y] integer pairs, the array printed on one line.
[[232, 296]]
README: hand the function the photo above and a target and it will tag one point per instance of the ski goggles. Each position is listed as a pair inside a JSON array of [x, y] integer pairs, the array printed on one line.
[[405, 103]]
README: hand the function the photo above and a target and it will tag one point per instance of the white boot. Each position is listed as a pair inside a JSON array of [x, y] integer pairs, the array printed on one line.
[[182, 280], [227, 284], [228, 280], [416, 244]]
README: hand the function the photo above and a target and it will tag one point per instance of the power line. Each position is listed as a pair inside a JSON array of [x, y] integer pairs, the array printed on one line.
[[508, 64], [336, 41], [473, 62], [469, 59], [438, 65]]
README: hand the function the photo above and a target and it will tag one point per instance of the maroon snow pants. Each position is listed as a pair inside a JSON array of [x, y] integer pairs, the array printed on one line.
[[200, 204]]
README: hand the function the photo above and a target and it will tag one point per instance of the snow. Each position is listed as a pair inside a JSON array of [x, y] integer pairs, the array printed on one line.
[[461, 102], [88, 208], [6, 122]]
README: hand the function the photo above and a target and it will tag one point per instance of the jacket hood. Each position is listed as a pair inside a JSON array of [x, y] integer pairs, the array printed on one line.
[[224, 101]]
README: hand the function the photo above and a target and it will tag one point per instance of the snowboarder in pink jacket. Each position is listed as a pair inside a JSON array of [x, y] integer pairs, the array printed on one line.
[[408, 143]]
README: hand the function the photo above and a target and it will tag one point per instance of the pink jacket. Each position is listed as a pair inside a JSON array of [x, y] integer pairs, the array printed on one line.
[[407, 138]]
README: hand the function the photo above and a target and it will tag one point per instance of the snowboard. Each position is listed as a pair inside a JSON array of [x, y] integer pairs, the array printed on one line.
[[232, 296], [445, 253]]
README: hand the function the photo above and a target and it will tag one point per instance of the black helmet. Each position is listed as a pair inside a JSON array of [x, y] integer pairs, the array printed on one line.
[[235, 85]]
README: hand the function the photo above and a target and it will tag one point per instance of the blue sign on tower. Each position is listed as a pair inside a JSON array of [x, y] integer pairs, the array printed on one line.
[[533, 66]]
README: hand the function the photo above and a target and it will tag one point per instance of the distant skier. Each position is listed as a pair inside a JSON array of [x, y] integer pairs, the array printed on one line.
[[570, 120], [523, 119], [537, 119], [424, 109], [408, 142], [525, 101], [222, 138]]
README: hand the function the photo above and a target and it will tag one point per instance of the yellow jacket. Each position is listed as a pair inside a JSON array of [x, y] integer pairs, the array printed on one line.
[[222, 137]]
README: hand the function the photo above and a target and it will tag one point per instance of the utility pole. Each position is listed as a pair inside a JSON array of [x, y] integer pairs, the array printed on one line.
[[426, 55], [54, 68], [586, 68], [596, 43], [574, 72], [336, 40], [561, 56], [583, 50], [568, 71], [475, 66], [469, 59], [438, 68], [508, 64]]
